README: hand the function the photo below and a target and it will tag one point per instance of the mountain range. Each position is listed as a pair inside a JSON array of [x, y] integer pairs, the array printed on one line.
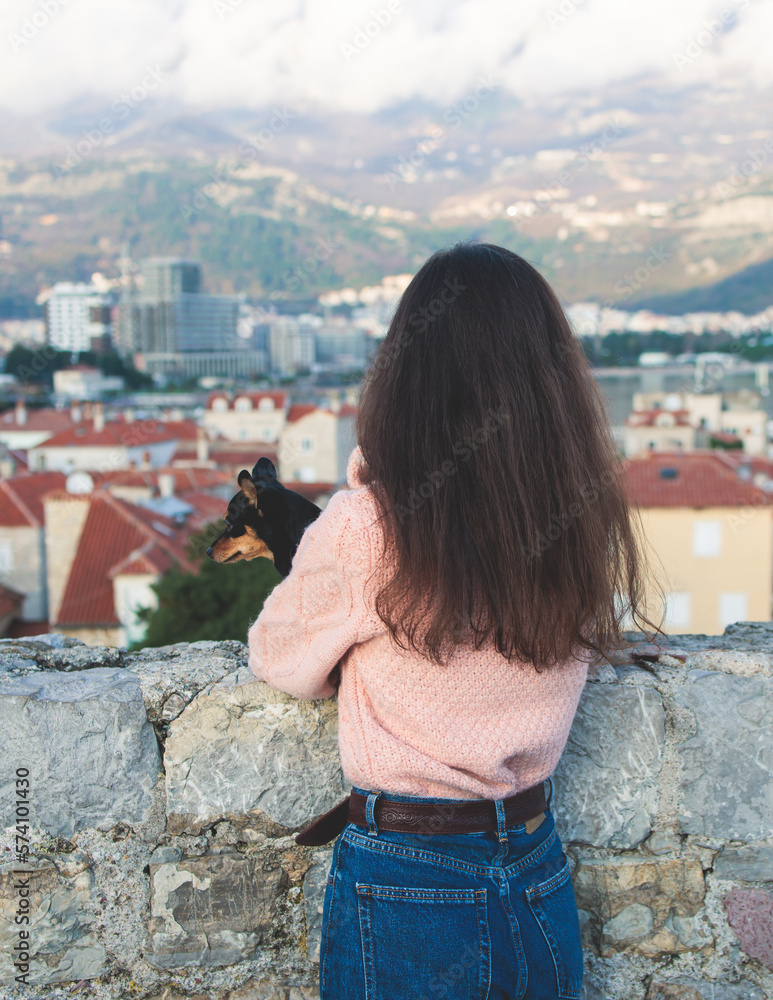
[[630, 196]]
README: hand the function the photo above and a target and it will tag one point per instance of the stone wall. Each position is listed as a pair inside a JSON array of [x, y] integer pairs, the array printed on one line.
[[165, 787]]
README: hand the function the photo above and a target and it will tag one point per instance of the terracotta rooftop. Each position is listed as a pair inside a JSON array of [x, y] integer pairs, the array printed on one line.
[[118, 433], [278, 398], [695, 479], [185, 479], [116, 535], [47, 419], [21, 498], [655, 418], [206, 509], [298, 410]]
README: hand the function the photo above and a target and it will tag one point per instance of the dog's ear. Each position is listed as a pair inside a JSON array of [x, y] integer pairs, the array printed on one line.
[[248, 488], [264, 469]]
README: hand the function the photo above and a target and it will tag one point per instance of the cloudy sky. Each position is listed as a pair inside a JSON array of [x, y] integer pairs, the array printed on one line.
[[356, 56]]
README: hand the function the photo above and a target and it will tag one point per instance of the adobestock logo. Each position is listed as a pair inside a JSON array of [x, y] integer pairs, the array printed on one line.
[[30, 26], [365, 33]]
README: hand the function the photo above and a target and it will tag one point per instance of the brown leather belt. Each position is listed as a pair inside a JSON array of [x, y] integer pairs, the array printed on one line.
[[424, 817]]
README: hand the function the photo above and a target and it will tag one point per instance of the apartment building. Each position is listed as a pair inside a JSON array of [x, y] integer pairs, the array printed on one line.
[[709, 536]]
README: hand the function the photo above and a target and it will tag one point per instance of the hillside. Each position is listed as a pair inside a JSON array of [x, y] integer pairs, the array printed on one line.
[[624, 198], [749, 291]]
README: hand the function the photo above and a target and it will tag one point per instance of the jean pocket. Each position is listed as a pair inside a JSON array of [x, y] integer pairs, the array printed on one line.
[[555, 909], [429, 944]]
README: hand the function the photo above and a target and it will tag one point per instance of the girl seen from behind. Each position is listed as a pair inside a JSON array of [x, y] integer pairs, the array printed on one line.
[[454, 596]]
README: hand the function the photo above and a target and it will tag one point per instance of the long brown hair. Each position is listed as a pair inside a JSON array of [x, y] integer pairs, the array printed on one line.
[[483, 434]]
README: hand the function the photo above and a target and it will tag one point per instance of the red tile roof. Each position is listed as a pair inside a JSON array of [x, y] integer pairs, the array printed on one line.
[[206, 509], [185, 479], [119, 433], [298, 410], [696, 479], [150, 559], [37, 420], [278, 398], [233, 460], [21, 498], [116, 534], [649, 418]]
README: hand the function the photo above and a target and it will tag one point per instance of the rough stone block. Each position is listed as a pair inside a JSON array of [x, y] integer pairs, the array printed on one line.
[[242, 747], [693, 989], [606, 782], [753, 863], [314, 885], [647, 905], [172, 676], [211, 910], [726, 789], [85, 738], [62, 944], [750, 914]]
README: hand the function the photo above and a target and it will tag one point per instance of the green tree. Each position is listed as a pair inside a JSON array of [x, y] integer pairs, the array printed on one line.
[[217, 602]]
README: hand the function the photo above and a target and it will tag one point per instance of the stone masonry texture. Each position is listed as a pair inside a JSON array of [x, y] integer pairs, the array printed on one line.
[[166, 785]]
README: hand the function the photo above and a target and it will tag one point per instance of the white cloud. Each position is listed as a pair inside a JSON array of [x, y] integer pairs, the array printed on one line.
[[251, 53]]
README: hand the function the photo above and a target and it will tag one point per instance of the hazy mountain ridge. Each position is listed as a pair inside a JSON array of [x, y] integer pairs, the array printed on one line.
[[590, 192]]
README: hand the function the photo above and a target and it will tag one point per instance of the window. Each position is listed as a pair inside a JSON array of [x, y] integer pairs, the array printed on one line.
[[678, 610], [733, 608], [219, 405], [307, 444], [707, 538], [266, 403], [243, 404]]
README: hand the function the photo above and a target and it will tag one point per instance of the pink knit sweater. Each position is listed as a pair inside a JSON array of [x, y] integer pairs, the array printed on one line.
[[478, 728]]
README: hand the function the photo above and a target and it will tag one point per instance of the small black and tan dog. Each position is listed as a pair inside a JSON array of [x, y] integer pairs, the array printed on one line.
[[263, 519]]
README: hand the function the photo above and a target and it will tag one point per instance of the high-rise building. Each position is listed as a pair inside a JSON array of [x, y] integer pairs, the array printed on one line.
[[292, 343], [168, 314], [165, 277], [75, 314]]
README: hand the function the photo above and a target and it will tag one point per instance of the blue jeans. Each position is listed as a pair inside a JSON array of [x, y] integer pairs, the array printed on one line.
[[472, 916]]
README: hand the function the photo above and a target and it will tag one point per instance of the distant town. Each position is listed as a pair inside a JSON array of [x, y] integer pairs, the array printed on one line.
[[128, 410]]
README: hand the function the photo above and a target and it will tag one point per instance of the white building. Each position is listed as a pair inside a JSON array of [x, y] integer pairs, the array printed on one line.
[[292, 343], [75, 313], [83, 382], [249, 416]]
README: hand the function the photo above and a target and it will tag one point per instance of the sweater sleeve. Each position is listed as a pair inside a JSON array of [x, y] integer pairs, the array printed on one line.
[[319, 610]]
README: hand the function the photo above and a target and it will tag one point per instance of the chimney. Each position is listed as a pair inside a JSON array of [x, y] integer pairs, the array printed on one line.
[[76, 414], [335, 404], [128, 415], [166, 485], [145, 463], [202, 445], [99, 417], [21, 413], [65, 516]]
